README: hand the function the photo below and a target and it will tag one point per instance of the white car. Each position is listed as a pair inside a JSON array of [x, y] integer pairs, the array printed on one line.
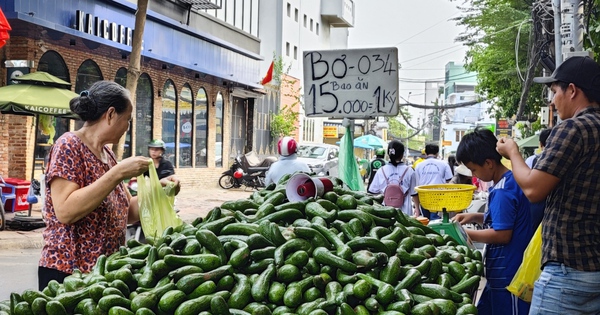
[[322, 159]]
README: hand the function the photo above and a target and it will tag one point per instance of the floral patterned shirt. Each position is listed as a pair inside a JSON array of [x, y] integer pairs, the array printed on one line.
[[78, 245]]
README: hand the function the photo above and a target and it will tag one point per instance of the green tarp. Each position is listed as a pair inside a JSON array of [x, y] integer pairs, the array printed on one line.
[[348, 167], [529, 142]]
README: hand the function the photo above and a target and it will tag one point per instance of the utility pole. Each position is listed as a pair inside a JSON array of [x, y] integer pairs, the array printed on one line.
[[571, 28], [568, 34], [557, 40]]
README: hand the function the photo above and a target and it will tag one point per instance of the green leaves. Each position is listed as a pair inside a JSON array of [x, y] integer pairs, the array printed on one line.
[[284, 122], [497, 33]]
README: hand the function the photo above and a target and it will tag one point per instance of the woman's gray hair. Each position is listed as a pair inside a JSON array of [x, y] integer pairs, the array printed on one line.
[[91, 104]]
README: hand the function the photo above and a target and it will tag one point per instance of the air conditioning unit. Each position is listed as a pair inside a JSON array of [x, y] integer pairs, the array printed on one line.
[[545, 116]]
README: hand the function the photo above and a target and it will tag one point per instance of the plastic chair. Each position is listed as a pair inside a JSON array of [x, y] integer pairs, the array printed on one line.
[[12, 195], [3, 198], [8, 195]]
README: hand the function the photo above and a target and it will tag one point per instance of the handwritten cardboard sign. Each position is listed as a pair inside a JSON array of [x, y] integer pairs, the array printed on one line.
[[353, 83]]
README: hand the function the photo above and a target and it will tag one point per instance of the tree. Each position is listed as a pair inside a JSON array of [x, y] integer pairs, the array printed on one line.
[[505, 53], [133, 71], [506, 40], [399, 131], [592, 29], [284, 121]]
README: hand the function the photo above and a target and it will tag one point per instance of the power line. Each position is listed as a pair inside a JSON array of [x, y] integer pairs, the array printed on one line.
[[452, 77], [421, 32], [422, 69], [421, 43], [463, 104], [475, 41], [433, 53], [420, 63]]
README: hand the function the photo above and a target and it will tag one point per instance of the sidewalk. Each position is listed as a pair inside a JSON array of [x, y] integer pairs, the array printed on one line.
[[192, 203]]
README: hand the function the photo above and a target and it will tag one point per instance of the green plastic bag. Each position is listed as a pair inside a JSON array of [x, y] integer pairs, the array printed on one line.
[[348, 167], [157, 210]]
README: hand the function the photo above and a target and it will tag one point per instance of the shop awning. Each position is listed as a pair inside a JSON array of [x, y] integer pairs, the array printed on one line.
[[529, 142], [37, 93]]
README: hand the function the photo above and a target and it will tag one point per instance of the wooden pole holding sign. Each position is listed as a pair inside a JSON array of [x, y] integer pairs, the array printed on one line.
[[353, 83]]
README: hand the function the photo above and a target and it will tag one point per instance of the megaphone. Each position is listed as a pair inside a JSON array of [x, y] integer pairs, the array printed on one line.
[[301, 187]]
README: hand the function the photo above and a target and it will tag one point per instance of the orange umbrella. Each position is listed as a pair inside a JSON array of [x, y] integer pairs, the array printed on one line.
[[4, 28]]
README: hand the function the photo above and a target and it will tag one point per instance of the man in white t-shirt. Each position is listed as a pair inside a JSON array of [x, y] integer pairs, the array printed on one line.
[[432, 171], [288, 162]]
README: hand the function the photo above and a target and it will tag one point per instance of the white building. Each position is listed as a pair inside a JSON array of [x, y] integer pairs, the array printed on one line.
[[287, 28], [456, 122]]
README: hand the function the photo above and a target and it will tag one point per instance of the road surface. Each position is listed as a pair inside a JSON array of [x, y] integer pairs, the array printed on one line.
[[18, 271]]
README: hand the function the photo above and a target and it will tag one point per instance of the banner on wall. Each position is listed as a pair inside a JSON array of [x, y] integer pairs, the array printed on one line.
[[503, 128], [330, 132]]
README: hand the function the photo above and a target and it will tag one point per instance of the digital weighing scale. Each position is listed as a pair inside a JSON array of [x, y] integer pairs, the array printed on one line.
[[447, 198], [445, 227]]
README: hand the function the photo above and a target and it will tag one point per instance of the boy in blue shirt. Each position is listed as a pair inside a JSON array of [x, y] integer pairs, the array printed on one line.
[[507, 222]]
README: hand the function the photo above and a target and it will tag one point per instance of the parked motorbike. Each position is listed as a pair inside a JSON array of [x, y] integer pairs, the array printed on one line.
[[246, 170]]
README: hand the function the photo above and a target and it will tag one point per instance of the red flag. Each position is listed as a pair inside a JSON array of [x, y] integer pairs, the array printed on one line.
[[269, 75], [4, 28]]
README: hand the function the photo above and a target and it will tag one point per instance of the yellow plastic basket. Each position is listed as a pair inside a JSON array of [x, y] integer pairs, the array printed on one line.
[[452, 197]]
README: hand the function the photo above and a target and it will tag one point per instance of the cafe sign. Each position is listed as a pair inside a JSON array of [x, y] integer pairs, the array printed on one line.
[[93, 25]]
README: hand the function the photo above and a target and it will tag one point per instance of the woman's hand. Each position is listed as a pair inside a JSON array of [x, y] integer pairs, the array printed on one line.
[[133, 166], [171, 179]]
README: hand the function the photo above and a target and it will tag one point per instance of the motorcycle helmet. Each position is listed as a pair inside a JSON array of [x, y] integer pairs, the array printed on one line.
[[287, 146], [380, 152], [238, 173], [395, 152], [157, 143]]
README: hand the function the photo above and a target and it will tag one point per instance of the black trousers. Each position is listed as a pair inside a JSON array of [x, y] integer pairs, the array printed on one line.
[[47, 274]]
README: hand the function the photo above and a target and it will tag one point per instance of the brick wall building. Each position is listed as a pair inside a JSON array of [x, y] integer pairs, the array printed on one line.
[[31, 40]]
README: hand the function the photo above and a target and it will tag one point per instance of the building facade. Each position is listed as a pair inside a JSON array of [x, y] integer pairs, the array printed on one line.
[[458, 79], [458, 121], [197, 91], [287, 28]]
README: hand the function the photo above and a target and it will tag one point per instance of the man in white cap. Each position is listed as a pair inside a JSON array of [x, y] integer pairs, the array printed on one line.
[[288, 162], [566, 176]]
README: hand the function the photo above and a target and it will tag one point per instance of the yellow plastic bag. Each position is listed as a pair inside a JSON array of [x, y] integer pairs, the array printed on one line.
[[530, 269], [157, 211]]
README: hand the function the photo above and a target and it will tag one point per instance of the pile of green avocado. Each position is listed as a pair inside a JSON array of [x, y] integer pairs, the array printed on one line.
[[343, 253]]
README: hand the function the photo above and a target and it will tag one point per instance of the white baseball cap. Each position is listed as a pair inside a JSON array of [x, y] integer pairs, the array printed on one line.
[[463, 170]]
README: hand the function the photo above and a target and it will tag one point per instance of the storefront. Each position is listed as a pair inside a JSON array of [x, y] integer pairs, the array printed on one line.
[[192, 88]]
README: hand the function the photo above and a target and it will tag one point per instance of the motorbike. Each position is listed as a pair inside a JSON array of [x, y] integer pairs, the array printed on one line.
[[247, 170]]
